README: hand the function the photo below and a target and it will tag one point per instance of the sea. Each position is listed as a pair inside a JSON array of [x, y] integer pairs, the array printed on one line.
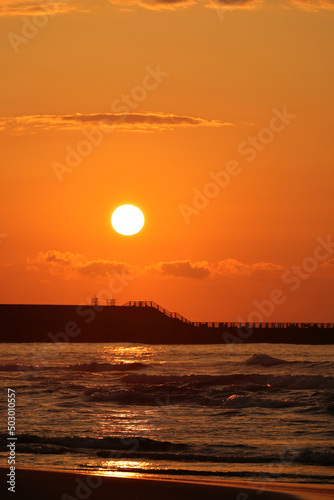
[[255, 412]]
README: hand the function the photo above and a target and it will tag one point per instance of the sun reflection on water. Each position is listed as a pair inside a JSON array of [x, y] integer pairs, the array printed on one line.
[[128, 354], [113, 468]]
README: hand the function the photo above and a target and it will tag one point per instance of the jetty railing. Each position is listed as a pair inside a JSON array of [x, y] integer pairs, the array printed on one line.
[[262, 325], [154, 305], [223, 325]]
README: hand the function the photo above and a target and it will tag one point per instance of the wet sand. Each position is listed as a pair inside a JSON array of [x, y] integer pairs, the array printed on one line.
[[34, 484]]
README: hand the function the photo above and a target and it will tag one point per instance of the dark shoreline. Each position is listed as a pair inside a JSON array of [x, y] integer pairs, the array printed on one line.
[[34, 484], [82, 324]]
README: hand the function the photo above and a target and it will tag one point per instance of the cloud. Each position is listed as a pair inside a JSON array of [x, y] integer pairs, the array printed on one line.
[[54, 257], [54, 7], [55, 263], [314, 5], [62, 259], [154, 4], [267, 267], [329, 263], [70, 265], [234, 267], [183, 268], [40, 8], [104, 268], [182, 4], [106, 121], [234, 4]]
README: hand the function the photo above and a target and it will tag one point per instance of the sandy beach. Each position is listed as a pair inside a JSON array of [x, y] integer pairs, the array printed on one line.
[[41, 485]]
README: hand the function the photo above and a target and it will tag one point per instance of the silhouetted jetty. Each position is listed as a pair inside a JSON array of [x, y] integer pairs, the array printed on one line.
[[143, 322]]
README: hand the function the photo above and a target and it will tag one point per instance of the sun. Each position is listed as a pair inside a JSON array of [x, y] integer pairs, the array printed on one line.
[[127, 220]]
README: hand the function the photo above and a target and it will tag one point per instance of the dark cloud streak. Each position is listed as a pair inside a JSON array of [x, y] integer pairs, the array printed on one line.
[[120, 121]]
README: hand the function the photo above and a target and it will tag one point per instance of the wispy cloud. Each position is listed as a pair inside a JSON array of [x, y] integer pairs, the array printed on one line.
[[154, 4], [54, 7], [120, 121], [233, 4], [314, 5], [39, 8], [182, 4], [329, 263], [234, 267]]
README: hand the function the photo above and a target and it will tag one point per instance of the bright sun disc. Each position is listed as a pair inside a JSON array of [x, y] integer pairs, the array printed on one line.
[[127, 220]]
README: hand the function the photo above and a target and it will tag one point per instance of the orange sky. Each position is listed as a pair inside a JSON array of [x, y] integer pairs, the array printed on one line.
[[216, 121]]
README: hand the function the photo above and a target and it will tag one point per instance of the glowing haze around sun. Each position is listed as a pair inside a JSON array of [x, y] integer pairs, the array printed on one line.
[[127, 220]]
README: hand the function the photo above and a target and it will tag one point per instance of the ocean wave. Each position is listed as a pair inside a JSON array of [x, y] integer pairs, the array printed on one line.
[[306, 456], [241, 401], [189, 457], [312, 457], [265, 360], [235, 474], [80, 367], [115, 443], [237, 379], [155, 398], [124, 397], [149, 449], [330, 409], [39, 449], [106, 367], [151, 397]]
